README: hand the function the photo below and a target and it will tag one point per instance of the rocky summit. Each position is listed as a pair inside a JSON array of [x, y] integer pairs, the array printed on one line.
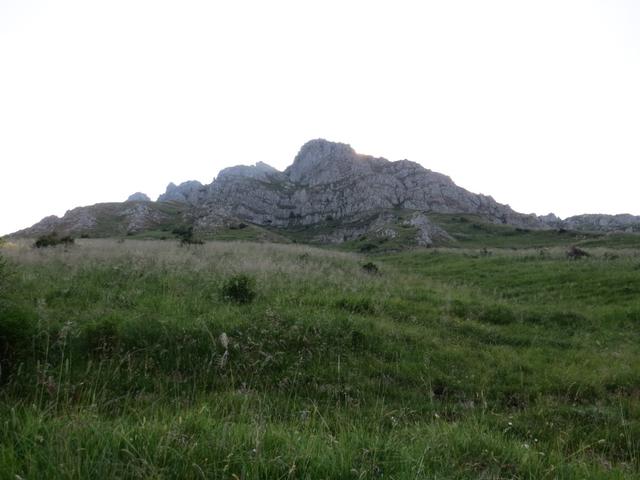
[[331, 180], [330, 190], [138, 197]]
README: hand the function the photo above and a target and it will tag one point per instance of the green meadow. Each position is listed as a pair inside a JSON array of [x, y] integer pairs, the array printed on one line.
[[138, 359]]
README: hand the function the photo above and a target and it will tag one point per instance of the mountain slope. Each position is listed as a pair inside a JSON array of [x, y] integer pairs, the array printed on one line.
[[112, 219], [329, 186], [330, 179]]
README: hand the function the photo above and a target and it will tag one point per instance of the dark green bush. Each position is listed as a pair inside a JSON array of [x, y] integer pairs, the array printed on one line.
[[361, 305], [497, 314], [186, 236], [100, 337], [53, 239], [367, 247], [575, 253], [567, 319], [239, 289], [4, 276], [460, 309], [17, 330], [371, 268]]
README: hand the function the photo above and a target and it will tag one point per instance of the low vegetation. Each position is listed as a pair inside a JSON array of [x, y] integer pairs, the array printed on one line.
[[52, 240], [142, 359], [239, 289]]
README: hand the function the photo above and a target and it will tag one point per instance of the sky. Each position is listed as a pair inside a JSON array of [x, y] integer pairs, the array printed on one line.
[[536, 103]]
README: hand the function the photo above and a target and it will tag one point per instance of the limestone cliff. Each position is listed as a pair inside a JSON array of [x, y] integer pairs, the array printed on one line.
[[330, 179]]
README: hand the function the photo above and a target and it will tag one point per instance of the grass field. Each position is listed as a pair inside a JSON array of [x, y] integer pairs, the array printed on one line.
[[126, 360]]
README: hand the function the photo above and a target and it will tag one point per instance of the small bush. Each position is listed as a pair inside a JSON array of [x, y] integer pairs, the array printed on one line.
[[17, 330], [575, 253], [304, 257], [567, 319], [371, 268], [460, 309], [359, 305], [368, 247], [497, 314], [4, 275], [186, 236], [101, 337], [238, 226], [52, 239], [239, 289]]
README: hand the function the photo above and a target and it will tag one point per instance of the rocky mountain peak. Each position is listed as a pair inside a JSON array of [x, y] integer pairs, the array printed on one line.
[[321, 161], [138, 197], [259, 171], [186, 192]]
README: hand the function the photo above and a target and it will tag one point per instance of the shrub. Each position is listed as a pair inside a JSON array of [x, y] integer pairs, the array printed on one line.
[[567, 319], [239, 289], [371, 268], [460, 309], [52, 239], [368, 247], [185, 234], [17, 330], [4, 275], [497, 314], [304, 257], [238, 226], [361, 305], [100, 337], [575, 253]]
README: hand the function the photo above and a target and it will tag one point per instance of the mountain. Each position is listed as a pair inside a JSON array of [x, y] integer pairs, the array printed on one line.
[[111, 219], [329, 194], [188, 192], [138, 197], [330, 180], [595, 222]]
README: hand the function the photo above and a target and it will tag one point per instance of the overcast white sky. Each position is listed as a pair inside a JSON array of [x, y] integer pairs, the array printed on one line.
[[536, 103]]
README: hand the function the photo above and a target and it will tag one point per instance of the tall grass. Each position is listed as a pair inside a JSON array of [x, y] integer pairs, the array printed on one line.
[[123, 360]]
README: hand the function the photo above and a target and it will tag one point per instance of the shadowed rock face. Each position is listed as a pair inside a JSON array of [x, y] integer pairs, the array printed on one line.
[[187, 192], [326, 180], [331, 179], [138, 197], [320, 162], [105, 219], [605, 223]]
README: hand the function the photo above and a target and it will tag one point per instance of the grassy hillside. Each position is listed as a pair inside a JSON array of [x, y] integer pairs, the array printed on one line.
[[130, 360]]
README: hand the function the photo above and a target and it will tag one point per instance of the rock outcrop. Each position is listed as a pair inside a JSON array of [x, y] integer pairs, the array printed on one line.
[[330, 179], [190, 192], [343, 195], [138, 197], [603, 223], [594, 222], [109, 219], [428, 233]]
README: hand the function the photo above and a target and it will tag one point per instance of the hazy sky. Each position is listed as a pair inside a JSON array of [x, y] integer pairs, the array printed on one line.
[[536, 103]]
